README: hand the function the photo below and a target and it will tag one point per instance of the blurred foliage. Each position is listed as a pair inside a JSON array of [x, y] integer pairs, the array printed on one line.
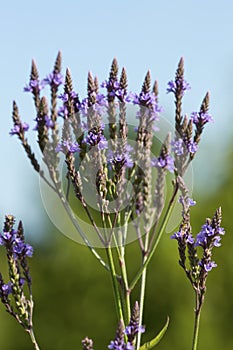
[[73, 293]]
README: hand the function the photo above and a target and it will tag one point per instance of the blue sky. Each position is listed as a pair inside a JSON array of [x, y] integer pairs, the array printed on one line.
[[142, 35]]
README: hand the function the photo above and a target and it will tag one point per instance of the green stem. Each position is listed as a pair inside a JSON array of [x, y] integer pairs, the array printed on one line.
[[141, 303], [33, 339], [196, 323], [157, 239], [80, 231], [125, 277], [115, 284], [29, 330]]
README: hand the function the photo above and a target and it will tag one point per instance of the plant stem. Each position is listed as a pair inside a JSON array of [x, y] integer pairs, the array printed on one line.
[[115, 284], [196, 323], [33, 339], [78, 228], [141, 303], [125, 276], [156, 241]]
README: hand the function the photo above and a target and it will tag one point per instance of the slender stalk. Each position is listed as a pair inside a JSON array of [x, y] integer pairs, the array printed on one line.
[[156, 242], [143, 285], [33, 339], [46, 181], [115, 284], [30, 329], [125, 277], [80, 231], [196, 323], [142, 298]]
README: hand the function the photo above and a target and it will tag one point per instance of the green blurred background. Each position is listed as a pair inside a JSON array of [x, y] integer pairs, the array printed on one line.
[[72, 292]]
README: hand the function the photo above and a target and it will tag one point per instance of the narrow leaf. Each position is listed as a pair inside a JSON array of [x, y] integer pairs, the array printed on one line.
[[152, 343]]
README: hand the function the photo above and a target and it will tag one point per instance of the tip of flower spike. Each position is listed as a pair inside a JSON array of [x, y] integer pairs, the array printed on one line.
[[181, 62]]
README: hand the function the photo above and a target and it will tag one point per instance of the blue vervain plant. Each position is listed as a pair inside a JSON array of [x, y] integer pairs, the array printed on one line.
[[103, 155]]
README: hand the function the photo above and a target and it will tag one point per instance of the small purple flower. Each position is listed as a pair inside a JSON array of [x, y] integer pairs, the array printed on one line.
[[166, 162], [220, 231], [189, 202], [178, 147], [201, 239], [34, 84], [95, 137], [65, 97], [83, 106], [17, 129], [209, 233], [192, 147], [18, 246], [112, 87], [208, 266], [48, 122], [7, 237], [147, 100], [118, 160], [133, 330], [201, 118], [103, 143], [190, 239], [68, 146], [54, 79], [177, 235], [63, 112], [101, 100], [217, 240], [120, 345], [7, 288], [173, 85]]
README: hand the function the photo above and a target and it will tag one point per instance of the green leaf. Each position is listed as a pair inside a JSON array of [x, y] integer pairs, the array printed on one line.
[[152, 343]]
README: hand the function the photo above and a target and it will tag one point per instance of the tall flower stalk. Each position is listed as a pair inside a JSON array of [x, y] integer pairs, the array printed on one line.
[[197, 268]]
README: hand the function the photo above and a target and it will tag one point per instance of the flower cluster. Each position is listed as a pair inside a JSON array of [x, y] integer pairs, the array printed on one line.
[[17, 252], [201, 118], [188, 130], [208, 238], [67, 146], [95, 137], [33, 85], [179, 83], [179, 147]]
